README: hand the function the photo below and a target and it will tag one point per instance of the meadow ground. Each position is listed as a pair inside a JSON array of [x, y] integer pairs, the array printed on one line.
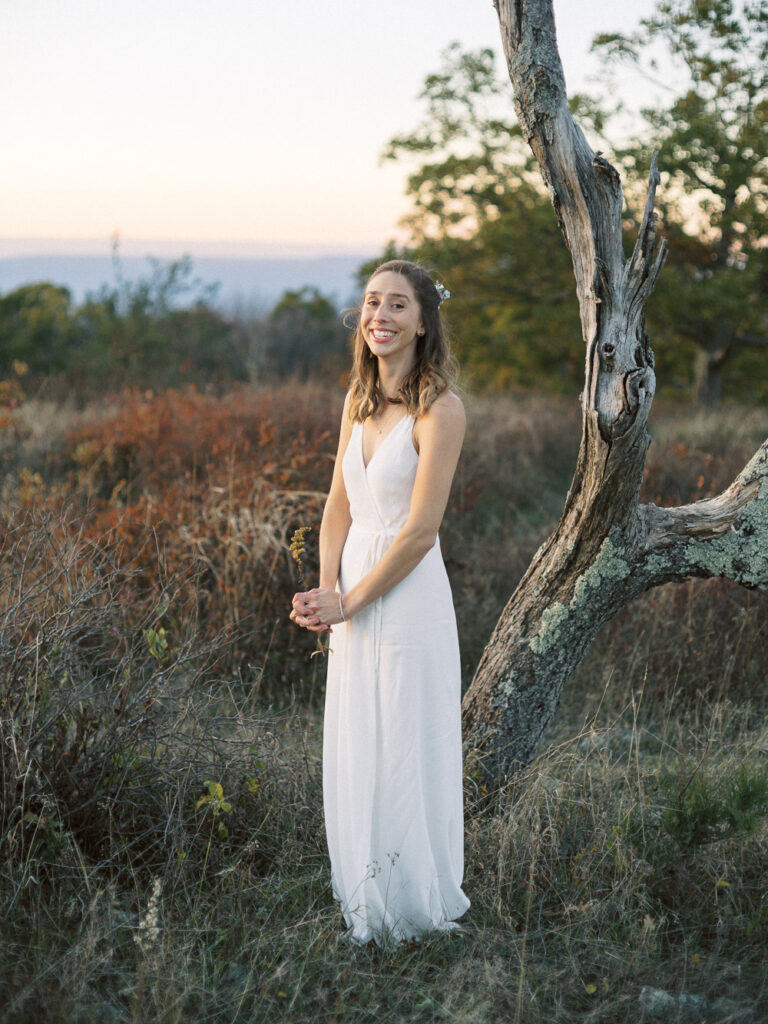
[[163, 853]]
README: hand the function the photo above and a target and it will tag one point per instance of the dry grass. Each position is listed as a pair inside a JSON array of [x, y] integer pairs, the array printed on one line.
[[631, 855]]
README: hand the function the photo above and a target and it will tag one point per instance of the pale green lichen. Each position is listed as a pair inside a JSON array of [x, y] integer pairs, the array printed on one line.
[[548, 634], [609, 566], [656, 565], [740, 554]]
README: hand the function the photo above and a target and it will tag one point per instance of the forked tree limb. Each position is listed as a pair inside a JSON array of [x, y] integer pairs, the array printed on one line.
[[606, 549], [724, 536]]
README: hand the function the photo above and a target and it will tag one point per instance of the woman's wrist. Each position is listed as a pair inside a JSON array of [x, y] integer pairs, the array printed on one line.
[[350, 604]]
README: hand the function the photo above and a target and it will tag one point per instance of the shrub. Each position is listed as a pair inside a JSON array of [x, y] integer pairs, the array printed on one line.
[[112, 725], [161, 826], [208, 491]]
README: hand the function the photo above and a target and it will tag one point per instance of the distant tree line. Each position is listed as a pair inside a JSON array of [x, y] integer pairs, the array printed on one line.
[[158, 332]]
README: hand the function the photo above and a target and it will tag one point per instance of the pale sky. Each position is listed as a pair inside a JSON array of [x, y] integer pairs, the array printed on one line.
[[247, 123]]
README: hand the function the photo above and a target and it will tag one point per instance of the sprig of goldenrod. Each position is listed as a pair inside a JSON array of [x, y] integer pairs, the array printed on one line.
[[298, 550]]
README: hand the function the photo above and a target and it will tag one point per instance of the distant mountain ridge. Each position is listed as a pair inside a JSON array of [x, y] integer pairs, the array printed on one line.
[[248, 283]]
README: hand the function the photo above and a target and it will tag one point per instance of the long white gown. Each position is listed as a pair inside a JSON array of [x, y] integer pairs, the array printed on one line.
[[392, 779]]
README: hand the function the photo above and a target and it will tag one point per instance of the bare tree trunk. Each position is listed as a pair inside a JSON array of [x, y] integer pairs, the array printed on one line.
[[711, 357], [606, 549]]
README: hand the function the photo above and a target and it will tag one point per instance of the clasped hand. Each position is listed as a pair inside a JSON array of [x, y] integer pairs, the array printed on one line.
[[316, 610]]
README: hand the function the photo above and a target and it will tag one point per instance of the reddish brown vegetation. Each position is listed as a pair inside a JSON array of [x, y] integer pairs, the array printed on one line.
[[195, 498], [629, 846], [204, 491]]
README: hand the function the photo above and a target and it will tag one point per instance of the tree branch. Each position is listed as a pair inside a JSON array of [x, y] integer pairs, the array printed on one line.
[[583, 187], [725, 536]]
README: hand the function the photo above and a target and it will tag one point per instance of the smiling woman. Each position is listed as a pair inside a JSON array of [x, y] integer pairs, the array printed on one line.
[[400, 315], [392, 739], [390, 319]]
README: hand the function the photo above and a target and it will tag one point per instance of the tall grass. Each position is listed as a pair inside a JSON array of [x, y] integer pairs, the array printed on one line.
[[161, 814]]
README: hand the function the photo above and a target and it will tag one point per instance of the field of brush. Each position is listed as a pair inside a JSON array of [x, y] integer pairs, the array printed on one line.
[[163, 854]]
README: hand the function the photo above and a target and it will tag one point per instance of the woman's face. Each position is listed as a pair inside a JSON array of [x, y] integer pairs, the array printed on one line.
[[391, 316]]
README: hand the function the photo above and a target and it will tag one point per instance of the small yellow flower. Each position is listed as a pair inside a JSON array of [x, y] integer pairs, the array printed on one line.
[[298, 550]]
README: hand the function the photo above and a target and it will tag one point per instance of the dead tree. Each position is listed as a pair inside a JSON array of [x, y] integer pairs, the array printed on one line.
[[607, 548]]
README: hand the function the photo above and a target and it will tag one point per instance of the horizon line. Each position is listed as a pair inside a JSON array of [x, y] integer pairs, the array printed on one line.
[[40, 246]]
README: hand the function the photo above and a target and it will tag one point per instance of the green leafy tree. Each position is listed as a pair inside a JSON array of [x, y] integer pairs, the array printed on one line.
[[482, 221], [301, 337], [37, 328], [473, 152], [713, 139], [159, 330]]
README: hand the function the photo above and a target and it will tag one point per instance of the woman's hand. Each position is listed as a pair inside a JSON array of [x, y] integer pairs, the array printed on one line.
[[317, 610]]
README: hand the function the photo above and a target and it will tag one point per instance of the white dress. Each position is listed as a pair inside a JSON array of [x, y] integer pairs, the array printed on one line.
[[392, 779]]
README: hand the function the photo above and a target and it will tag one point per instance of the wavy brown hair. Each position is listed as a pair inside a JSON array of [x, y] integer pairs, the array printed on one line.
[[435, 370]]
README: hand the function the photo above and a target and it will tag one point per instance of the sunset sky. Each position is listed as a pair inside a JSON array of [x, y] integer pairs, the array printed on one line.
[[248, 123]]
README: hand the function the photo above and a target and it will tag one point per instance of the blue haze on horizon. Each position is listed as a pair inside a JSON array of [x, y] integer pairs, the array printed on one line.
[[248, 284]]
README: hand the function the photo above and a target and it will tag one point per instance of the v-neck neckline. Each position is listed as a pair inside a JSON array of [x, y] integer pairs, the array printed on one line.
[[381, 444]]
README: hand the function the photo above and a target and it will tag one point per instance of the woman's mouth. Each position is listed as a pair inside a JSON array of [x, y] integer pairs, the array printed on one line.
[[382, 335]]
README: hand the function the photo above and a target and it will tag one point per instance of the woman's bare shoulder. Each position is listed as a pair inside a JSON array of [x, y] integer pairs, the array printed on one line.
[[346, 415], [346, 425], [445, 422], [448, 408]]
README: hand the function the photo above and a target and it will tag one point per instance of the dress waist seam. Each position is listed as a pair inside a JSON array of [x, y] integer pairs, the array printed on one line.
[[366, 531]]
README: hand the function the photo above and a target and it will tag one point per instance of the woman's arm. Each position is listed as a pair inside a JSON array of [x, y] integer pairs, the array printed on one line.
[[334, 525], [439, 436], [336, 520]]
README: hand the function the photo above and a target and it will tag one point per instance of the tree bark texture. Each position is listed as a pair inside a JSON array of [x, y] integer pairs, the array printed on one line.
[[606, 549]]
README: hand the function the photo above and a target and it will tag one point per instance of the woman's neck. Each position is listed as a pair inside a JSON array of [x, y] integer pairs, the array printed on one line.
[[392, 374]]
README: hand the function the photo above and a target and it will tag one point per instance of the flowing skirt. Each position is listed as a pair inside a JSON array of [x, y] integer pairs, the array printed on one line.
[[392, 776]]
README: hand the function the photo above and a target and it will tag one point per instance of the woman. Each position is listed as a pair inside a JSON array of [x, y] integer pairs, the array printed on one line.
[[392, 784]]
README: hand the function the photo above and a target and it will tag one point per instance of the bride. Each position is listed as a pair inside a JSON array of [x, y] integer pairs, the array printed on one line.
[[392, 781]]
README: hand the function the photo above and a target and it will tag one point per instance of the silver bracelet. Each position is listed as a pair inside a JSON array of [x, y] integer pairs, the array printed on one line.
[[341, 610]]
